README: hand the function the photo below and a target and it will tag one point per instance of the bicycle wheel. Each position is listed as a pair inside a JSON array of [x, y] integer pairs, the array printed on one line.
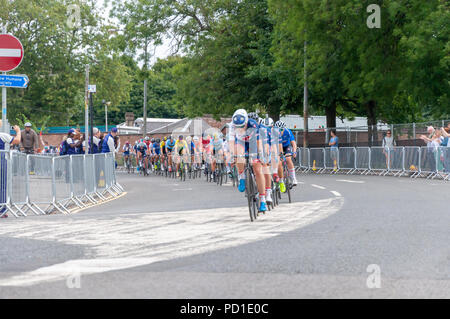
[[251, 195], [287, 181]]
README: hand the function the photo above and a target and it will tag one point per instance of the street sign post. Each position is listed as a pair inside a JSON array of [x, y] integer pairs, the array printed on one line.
[[11, 55], [14, 81]]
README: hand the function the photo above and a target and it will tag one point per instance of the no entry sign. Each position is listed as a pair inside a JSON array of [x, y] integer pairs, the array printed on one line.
[[11, 52]]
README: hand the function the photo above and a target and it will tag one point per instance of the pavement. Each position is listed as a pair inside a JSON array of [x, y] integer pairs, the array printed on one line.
[[342, 237]]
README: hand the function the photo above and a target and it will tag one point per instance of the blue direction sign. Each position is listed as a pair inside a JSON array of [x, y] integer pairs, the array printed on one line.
[[14, 81]]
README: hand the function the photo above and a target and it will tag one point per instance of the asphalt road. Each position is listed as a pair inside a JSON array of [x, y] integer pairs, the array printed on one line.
[[343, 237]]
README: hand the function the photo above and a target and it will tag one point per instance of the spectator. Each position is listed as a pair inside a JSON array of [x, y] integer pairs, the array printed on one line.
[[29, 139], [433, 142], [334, 141], [5, 139], [69, 144], [388, 144], [446, 151], [108, 141], [334, 144]]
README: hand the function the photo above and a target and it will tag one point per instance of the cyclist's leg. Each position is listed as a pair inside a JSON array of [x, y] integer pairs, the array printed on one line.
[[291, 168], [260, 183]]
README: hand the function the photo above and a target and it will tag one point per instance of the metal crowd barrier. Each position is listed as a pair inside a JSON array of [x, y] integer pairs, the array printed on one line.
[[39, 184], [414, 162]]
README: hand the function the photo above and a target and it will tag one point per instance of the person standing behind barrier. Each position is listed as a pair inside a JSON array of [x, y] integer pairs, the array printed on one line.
[[108, 144], [446, 134], [5, 139], [30, 143], [334, 144], [29, 139], [433, 143], [388, 144]]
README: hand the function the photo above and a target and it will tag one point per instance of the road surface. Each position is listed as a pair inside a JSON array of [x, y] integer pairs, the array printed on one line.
[[343, 237]]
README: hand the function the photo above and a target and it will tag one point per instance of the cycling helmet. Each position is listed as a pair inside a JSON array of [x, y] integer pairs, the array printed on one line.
[[253, 116], [240, 118], [147, 138], [268, 122], [196, 139], [127, 142], [180, 137], [158, 140], [153, 140], [165, 138], [280, 124]]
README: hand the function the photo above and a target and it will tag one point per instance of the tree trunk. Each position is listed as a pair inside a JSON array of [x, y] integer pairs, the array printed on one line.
[[330, 112], [274, 113], [372, 123]]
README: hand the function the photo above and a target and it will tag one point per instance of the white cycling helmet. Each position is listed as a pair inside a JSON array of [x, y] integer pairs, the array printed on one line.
[[240, 118], [253, 116], [268, 122], [196, 139], [280, 124]]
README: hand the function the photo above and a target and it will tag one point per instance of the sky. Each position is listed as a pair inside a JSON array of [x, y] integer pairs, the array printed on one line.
[[161, 51]]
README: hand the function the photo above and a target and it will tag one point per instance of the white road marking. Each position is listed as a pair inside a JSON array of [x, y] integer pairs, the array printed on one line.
[[337, 194], [349, 181], [182, 189], [318, 186], [131, 240]]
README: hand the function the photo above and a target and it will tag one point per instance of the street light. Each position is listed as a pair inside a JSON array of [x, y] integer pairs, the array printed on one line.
[[106, 113]]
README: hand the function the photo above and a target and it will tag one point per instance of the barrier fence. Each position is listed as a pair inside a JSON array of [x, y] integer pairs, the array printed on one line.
[[414, 161], [39, 184]]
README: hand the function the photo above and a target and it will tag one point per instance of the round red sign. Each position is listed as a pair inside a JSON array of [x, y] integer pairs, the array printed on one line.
[[11, 52]]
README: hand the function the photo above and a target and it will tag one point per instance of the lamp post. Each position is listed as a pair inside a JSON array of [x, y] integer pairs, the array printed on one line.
[[106, 113]]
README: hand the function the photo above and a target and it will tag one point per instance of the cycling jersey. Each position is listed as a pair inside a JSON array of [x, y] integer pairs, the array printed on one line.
[[142, 147], [181, 144], [217, 144], [156, 148], [126, 149], [170, 145], [287, 137], [249, 133]]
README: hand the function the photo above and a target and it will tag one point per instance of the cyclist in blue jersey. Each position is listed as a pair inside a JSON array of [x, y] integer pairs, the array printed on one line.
[[126, 154], [142, 152], [243, 138], [277, 149], [289, 150], [265, 130], [170, 146], [156, 150]]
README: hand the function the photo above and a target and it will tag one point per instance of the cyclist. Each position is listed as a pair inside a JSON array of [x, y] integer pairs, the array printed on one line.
[[265, 129], [170, 144], [276, 150], [142, 153], [206, 148], [217, 150], [197, 149], [244, 138], [163, 151], [181, 149], [289, 150], [126, 154], [156, 151]]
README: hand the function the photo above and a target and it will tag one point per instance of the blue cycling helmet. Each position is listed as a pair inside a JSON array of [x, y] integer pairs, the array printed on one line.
[[240, 118]]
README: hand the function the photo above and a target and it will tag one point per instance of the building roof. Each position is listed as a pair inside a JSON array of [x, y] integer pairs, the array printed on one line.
[[185, 126]]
